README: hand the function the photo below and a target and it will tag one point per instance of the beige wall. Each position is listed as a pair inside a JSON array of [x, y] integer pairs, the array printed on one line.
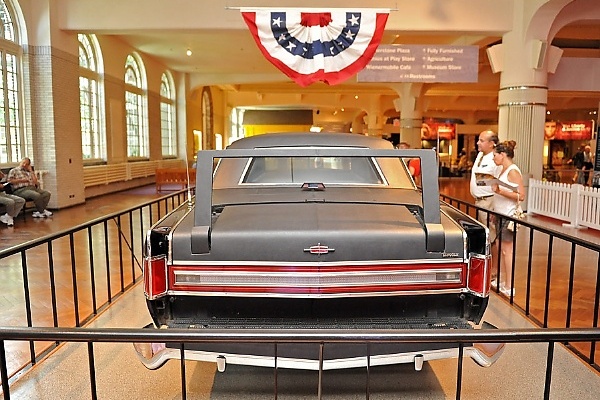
[[52, 119]]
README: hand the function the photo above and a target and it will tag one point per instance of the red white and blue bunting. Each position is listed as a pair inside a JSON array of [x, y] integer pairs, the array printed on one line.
[[317, 45]]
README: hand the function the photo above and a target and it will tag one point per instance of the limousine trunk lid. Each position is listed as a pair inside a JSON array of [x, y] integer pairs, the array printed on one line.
[[325, 231]]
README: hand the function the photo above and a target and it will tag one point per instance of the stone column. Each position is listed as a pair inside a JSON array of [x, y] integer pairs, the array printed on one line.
[[524, 59], [521, 117], [51, 67], [375, 117], [411, 117]]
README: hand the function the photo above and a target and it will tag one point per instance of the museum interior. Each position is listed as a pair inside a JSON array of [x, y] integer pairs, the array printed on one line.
[[112, 102]]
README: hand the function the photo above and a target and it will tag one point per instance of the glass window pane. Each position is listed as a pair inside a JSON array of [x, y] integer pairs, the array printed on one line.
[[167, 118], [8, 29], [135, 112], [92, 136], [11, 131]]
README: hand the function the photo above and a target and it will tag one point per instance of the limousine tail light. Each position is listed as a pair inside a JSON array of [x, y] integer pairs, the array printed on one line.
[[155, 277], [478, 276]]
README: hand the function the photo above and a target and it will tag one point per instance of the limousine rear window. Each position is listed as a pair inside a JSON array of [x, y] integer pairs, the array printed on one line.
[[298, 170]]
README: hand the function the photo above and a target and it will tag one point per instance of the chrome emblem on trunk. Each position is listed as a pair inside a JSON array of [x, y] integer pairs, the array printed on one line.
[[319, 249]]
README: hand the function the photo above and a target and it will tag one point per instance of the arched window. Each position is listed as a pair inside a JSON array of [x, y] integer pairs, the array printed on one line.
[[207, 119], [167, 116], [12, 132], [93, 137], [135, 108]]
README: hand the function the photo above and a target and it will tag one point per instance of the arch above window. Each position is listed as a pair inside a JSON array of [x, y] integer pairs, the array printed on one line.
[[135, 73], [8, 28], [167, 87]]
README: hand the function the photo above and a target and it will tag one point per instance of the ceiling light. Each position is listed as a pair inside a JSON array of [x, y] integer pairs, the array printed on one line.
[[343, 109], [356, 97], [188, 52]]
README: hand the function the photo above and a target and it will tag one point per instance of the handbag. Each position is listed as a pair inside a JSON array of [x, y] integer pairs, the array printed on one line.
[[517, 214]]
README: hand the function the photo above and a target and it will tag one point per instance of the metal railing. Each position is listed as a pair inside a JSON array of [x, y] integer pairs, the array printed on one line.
[[287, 336], [570, 265], [104, 253], [90, 265]]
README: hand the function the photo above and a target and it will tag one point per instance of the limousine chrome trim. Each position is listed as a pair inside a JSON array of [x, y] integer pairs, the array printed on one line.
[[320, 263], [484, 356], [399, 292], [317, 279]]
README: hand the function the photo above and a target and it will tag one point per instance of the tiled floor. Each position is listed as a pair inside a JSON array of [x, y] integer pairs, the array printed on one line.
[[518, 374]]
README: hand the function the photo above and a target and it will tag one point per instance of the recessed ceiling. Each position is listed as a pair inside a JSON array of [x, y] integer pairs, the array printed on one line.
[[230, 59]]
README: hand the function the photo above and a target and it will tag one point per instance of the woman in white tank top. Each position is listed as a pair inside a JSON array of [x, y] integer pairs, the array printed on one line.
[[506, 199]]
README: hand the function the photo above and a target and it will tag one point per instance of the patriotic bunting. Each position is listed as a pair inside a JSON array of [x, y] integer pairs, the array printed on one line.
[[313, 46]]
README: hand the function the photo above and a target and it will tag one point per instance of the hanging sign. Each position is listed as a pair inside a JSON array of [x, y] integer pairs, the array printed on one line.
[[422, 63]]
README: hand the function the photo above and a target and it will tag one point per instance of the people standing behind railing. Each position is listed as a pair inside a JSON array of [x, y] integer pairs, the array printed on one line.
[[25, 185], [588, 164], [508, 196], [463, 162], [577, 161], [484, 168], [12, 204], [414, 165]]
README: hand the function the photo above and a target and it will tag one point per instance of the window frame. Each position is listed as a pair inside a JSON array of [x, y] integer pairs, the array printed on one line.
[[136, 109], [168, 117], [94, 110], [331, 171], [13, 140]]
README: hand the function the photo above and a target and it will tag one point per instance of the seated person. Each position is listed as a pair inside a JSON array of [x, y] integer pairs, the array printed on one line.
[[25, 185], [12, 204]]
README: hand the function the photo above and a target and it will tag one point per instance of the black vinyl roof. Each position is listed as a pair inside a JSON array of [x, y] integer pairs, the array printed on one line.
[[292, 139]]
